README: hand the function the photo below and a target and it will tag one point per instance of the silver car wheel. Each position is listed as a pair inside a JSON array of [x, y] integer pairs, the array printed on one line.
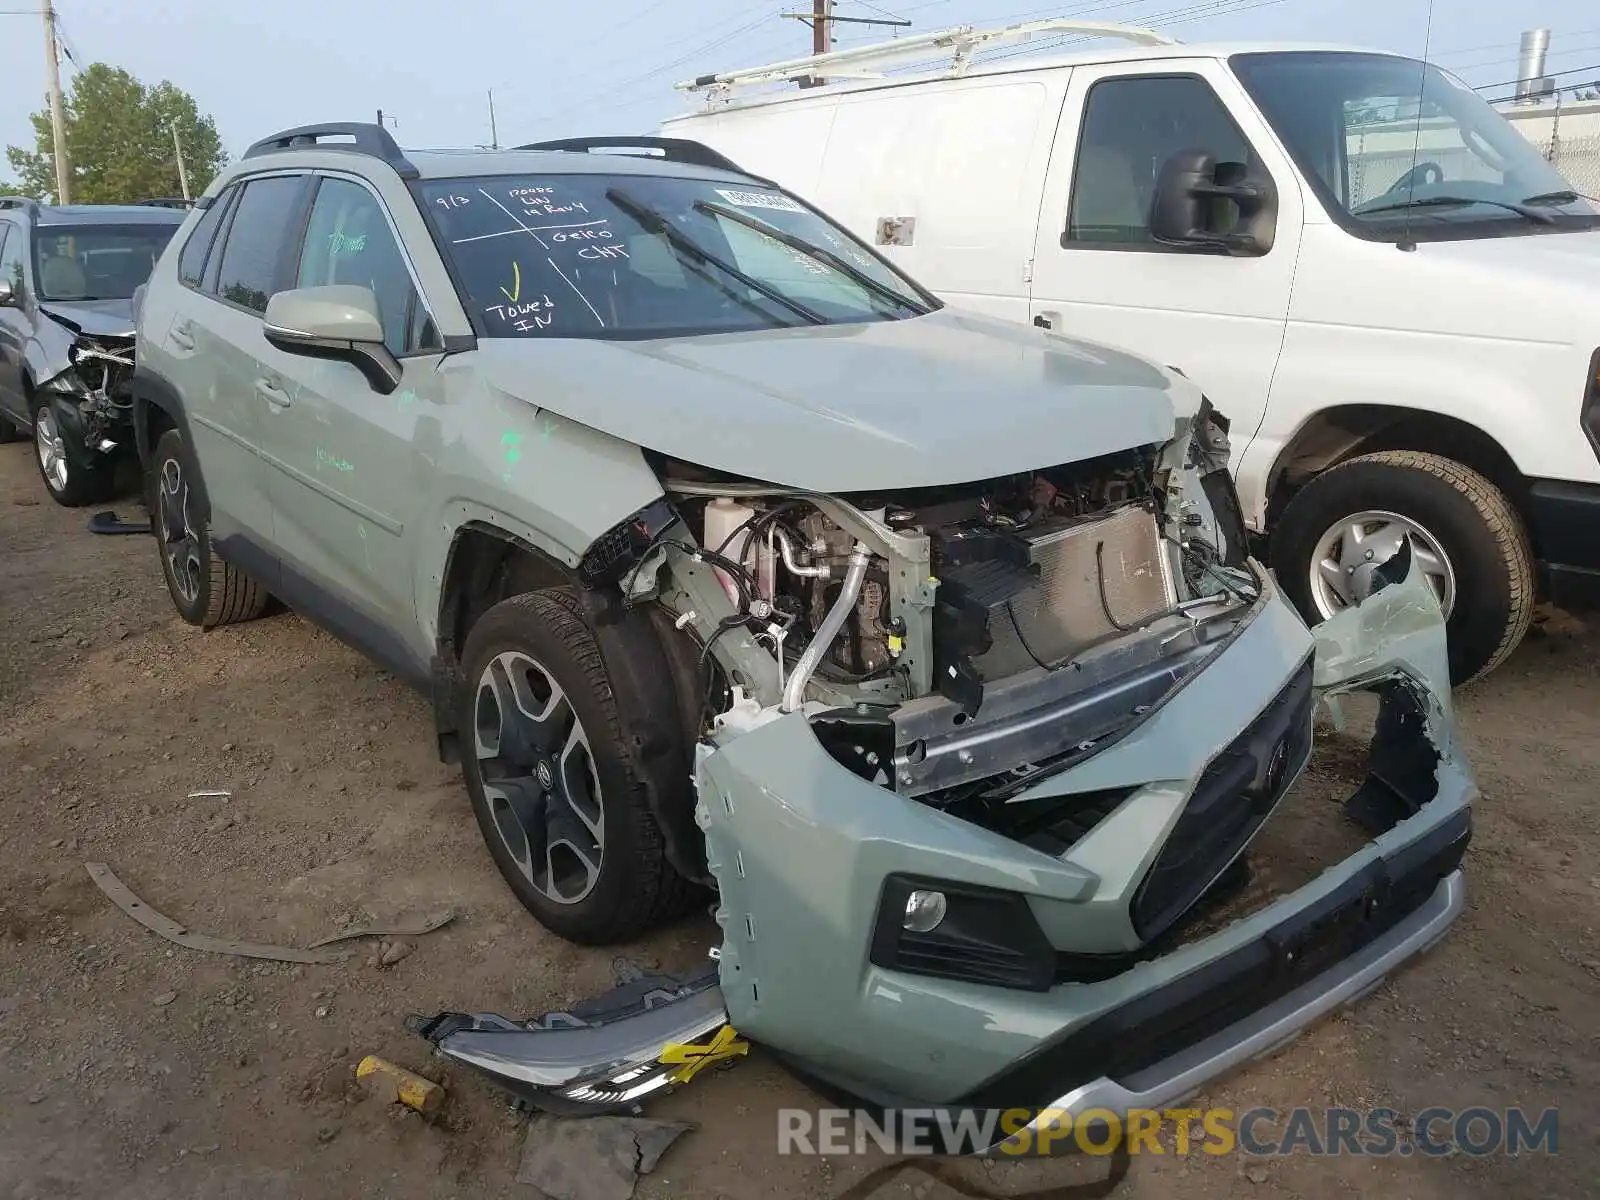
[[179, 542], [1348, 555], [539, 777], [52, 449]]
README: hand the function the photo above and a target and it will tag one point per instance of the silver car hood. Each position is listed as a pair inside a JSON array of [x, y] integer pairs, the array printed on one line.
[[97, 318], [939, 399]]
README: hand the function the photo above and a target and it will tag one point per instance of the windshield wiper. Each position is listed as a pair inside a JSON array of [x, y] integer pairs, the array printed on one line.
[[1560, 196], [817, 253], [1522, 210], [654, 222]]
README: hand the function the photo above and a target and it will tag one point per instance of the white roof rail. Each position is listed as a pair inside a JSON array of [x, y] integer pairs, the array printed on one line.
[[959, 42]]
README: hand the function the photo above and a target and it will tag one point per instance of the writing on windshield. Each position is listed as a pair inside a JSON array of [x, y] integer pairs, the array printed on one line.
[[628, 256]]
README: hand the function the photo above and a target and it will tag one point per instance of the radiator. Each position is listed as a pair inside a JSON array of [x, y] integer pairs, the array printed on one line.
[[1061, 612]]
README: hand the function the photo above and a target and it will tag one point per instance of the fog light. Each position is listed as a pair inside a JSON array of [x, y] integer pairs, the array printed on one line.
[[924, 911], [106, 446]]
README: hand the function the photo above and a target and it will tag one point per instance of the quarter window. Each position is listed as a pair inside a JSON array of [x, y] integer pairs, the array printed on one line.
[[1131, 126], [349, 241], [192, 262], [256, 240]]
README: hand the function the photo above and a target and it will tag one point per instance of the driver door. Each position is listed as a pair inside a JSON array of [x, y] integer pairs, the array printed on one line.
[[1099, 274]]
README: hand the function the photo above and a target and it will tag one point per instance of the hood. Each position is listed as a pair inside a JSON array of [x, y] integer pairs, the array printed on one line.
[[1540, 286], [940, 399], [97, 318]]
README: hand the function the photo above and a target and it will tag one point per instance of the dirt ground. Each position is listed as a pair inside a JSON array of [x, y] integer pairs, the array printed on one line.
[[131, 1068]]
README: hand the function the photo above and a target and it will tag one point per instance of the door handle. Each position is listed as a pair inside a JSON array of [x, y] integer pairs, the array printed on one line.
[[272, 394], [181, 337], [1047, 320]]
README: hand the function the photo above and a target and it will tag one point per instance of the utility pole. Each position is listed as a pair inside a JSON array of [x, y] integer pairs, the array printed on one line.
[[58, 128], [822, 21], [177, 149], [494, 135]]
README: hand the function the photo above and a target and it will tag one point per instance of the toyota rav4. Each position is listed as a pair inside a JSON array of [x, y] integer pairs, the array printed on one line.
[[736, 565]]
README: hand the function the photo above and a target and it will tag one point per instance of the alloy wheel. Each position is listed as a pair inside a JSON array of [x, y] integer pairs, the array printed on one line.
[[1348, 555], [52, 449], [539, 777], [179, 542]]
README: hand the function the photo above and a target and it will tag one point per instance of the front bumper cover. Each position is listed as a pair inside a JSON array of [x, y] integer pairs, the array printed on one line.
[[801, 846]]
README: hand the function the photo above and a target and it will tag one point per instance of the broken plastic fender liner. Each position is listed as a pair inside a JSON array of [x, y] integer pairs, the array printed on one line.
[[398, 1085], [695, 1056]]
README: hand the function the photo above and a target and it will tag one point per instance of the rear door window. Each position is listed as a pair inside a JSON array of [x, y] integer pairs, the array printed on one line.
[[253, 257]]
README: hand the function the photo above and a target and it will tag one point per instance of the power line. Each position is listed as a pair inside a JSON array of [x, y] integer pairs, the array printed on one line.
[[1484, 87]]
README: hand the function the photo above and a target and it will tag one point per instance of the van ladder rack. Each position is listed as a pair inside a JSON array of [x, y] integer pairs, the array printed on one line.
[[959, 42], [365, 138]]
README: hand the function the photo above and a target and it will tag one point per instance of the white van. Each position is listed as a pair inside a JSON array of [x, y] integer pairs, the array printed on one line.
[[1391, 294]]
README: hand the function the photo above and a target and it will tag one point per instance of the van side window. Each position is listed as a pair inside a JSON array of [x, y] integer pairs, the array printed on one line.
[[1131, 126]]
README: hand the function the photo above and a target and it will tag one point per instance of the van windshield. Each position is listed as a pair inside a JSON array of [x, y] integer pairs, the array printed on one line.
[[1393, 146], [636, 256]]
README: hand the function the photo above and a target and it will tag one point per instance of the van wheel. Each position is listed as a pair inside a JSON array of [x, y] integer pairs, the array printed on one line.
[[70, 481], [554, 783], [205, 590], [1470, 543]]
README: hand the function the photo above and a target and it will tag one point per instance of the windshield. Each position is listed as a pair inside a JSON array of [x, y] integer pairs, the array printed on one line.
[[96, 262], [634, 256], [1394, 146]]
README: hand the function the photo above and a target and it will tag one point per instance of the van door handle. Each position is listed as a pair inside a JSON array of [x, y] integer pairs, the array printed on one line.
[[181, 337], [1047, 320], [273, 394]]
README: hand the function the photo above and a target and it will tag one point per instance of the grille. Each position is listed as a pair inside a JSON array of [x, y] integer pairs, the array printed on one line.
[[1060, 613], [1232, 798]]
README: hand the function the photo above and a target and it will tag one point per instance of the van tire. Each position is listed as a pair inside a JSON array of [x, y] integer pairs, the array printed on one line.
[[212, 592], [1471, 519], [547, 637]]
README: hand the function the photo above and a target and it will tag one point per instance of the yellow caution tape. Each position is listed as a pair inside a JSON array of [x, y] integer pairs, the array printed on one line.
[[694, 1056]]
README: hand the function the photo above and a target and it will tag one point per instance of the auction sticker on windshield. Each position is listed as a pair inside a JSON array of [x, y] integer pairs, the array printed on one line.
[[759, 200]]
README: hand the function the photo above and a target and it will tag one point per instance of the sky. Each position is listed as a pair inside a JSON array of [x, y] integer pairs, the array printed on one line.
[[559, 68]]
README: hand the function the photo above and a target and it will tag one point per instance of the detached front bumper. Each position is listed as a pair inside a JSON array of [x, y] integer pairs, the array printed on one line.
[[803, 851]]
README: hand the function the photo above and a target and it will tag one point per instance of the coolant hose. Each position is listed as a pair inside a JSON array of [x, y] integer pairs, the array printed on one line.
[[794, 691]]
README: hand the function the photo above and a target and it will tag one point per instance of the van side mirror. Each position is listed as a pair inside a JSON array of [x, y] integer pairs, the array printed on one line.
[[8, 295], [338, 321], [1202, 204]]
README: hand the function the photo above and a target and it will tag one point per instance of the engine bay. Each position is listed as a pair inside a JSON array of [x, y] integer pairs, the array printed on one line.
[[950, 640]]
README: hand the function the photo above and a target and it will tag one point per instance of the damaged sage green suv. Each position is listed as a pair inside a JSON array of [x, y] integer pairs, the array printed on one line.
[[735, 564]]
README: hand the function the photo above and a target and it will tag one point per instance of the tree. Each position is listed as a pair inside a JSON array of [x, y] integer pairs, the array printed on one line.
[[119, 138]]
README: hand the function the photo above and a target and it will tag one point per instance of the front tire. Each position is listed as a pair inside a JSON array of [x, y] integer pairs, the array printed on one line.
[[205, 590], [1469, 540], [70, 481], [554, 782]]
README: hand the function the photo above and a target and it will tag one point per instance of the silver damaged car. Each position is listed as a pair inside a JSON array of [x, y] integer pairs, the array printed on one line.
[[927, 649]]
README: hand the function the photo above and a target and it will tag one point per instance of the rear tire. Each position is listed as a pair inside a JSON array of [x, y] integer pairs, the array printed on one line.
[[555, 784], [71, 482], [205, 590], [1480, 541]]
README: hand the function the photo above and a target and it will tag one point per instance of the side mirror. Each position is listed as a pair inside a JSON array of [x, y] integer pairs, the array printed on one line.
[[8, 295], [1205, 205], [338, 321]]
